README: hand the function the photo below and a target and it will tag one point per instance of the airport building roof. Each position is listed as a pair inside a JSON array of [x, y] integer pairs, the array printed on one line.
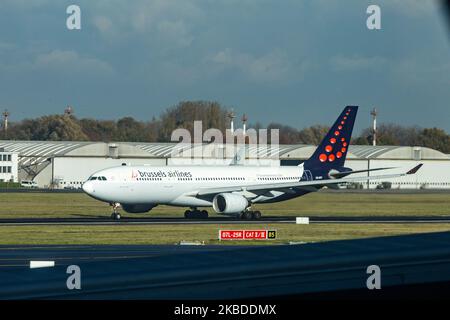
[[38, 151]]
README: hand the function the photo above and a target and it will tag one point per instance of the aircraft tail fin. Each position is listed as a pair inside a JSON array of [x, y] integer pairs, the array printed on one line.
[[332, 151]]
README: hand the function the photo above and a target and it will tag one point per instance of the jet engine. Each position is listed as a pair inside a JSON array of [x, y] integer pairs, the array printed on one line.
[[138, 208], [228, 203]]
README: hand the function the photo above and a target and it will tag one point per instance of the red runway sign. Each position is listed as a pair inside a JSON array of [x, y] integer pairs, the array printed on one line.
[[247, 234]]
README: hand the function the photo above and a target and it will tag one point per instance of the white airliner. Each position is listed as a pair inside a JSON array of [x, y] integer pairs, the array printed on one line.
[[230, 190]]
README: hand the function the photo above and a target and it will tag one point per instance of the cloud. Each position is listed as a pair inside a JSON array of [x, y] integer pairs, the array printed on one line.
[[175, 32], [421, 71], [272, 66], [6, 46], [356, 63], [163, 24], [103, 24], [411, 8], [71, 62], [24, 4]]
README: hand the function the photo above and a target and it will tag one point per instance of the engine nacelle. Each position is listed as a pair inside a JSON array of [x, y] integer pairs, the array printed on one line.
[[228, 203], [138, 208]]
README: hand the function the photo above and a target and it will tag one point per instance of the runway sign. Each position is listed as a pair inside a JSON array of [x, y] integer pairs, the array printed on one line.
[[302, 220], [247, 234]]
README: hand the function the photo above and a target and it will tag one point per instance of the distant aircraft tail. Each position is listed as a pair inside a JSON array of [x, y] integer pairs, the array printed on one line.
[[239, 157], [332, 151]]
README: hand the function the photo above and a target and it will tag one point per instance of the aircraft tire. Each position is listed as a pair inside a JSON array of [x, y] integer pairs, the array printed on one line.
[[247, 215], [256, 215], [115, 216]]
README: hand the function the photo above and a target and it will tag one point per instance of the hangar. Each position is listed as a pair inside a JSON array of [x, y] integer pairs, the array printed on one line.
[[61, 164]]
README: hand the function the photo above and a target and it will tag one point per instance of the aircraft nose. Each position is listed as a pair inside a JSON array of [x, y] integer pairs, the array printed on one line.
[[88, 187]]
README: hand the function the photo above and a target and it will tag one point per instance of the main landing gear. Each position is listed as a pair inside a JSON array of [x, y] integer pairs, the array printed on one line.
[[115, 215], [196, 214], [250, 215]]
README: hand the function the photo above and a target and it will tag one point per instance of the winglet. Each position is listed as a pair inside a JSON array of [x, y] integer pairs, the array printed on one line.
[[415, 169]]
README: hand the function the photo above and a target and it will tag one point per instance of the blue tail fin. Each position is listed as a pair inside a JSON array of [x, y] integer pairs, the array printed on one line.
[[332, 151]]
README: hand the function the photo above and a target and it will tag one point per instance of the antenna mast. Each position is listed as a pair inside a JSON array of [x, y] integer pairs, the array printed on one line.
[[5, 122], [374, 113]]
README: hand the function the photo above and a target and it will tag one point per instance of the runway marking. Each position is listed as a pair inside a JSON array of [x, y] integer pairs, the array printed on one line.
[[39, 264]]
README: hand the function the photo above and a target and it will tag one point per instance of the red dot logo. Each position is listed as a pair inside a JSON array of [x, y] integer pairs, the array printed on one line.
[[343, 150], [342, 122], [345, 118], [328, 148], [344, 144], [338, 154], [331, 157], [336, 133], [342, 139], [323, 157], [340, 127], [333, 140]]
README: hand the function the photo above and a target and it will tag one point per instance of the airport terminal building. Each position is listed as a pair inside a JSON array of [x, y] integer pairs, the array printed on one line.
[[66, 165]]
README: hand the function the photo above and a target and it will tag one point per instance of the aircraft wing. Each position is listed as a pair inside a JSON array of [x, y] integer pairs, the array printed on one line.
[[257, 189]]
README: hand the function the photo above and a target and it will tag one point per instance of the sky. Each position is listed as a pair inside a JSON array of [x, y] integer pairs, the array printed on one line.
[[288, 61]]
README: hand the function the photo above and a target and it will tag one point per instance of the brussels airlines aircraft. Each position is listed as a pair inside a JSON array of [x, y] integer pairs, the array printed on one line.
[[230, 190]]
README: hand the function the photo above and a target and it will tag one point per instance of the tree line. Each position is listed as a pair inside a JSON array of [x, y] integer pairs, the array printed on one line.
[[212, 115]]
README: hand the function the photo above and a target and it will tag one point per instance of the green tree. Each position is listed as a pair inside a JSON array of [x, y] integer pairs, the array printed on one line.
[[436, 139]]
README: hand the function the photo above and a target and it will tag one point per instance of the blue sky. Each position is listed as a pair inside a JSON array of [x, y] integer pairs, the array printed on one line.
[[293, 62]]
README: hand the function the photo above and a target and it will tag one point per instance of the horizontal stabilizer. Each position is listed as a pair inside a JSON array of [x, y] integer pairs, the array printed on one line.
[[338, 175]]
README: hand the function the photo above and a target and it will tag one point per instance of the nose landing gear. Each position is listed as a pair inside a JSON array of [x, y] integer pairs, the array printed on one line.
[[115, 215]]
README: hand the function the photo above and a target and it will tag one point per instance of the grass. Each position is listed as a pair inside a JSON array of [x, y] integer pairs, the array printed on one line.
[[68, 205], [73, 205], [362, 204], [171, 234]]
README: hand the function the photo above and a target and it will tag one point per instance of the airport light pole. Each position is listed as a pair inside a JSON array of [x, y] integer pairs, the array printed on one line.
[[5, 122], [231, 115], [244, 123], [68, 111], [374, 113]]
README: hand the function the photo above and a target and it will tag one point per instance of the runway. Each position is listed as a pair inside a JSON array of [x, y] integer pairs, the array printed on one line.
[[225, 272], [105, 221], [12, 256]]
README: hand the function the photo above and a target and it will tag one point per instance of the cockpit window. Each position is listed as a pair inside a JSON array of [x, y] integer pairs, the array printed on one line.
[[101, 178]]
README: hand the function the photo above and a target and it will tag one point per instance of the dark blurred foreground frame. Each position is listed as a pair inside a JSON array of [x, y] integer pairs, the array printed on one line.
[[445, 4]]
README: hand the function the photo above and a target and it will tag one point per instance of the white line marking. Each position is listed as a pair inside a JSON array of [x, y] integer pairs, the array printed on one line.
[[41, 264]]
